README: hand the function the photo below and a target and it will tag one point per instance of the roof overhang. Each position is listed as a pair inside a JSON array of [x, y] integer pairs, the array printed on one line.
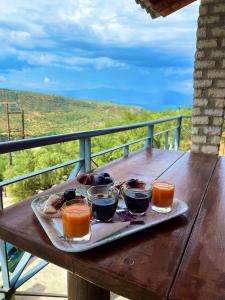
[[158, 8]]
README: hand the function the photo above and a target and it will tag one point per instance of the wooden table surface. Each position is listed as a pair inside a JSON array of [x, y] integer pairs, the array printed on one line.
[[203, 265], [147, 265]]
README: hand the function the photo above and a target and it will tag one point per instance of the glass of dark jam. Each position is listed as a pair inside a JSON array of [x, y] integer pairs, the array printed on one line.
[[104, 202], [137, 201]]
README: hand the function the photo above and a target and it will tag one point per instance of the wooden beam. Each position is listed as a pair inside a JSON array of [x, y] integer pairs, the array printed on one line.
[[80, 289]]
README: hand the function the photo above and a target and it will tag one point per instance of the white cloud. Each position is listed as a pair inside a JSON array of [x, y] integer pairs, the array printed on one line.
[[2, 78], [125, 23], [38, 32], [177, 71], [46, 80], [183, 87], [108, 22], [67, 61]]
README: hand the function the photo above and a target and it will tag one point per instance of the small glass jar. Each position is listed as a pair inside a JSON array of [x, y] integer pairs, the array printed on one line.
[[162, 196], [104, 201], [137, 200]]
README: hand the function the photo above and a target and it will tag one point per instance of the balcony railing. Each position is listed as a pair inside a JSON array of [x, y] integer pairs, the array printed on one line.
[[82, 163]]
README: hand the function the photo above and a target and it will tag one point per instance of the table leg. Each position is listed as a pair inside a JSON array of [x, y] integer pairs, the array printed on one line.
[[80, 289]]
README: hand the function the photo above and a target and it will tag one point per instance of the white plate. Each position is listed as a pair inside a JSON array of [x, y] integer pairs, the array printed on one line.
[[54, 230]]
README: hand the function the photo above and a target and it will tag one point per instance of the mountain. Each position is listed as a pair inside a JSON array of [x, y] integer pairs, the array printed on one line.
[[51, 114], [152, 99]]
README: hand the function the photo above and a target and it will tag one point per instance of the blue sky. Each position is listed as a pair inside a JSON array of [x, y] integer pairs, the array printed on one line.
[[103, 50]]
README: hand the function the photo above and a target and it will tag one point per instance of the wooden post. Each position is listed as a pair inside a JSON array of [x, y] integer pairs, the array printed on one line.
[[80, 289]]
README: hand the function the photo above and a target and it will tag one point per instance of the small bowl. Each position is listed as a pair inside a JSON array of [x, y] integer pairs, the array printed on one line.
[[83, 188]]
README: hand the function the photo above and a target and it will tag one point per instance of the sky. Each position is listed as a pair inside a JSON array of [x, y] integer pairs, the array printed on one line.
[[103, 50]]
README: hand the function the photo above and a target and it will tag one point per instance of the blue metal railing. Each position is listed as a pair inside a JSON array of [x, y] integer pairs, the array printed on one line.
[[83, 163], [84, 137]]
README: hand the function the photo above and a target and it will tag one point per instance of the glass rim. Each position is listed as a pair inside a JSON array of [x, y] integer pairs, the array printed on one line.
[[168, 183], [107, 189], [137, 189], [69, 203]]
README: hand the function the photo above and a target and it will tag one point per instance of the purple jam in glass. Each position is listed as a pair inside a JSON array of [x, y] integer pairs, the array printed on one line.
[[137, 201], [104, 208]]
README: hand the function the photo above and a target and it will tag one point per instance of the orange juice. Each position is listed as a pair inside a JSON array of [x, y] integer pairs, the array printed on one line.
[[162, 195], [76, 220]]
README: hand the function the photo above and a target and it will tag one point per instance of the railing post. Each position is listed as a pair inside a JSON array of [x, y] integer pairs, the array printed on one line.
[[87, 155], [166, 135], [82, 154], [3, 256], [178, 131], [126, 151], [1, 198], [150, 136]]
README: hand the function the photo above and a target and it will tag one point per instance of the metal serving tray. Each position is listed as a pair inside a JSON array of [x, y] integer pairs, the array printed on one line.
[[54, 230]]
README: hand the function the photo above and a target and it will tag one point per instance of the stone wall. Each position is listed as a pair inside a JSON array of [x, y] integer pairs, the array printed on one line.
[[209, 78]]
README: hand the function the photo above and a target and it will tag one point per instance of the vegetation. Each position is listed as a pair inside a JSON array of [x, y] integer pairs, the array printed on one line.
[[48, 114], [51, 114]]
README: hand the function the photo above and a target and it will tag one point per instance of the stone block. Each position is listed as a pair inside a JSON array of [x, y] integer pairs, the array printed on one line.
[[196, 111], [217, 112], [220, 83], [201, 32], [218, 32], [202, 83], [203, 44], [210, 149], [199, 139], [195, 148], [204, 120], [195, 130], [219, 8], [203, 9], [217, 54], [205, 20], [198, 93], [215, 140], [200, 102], [197, 74], [199, 54], [211, 1], [217, 103], [205, 64], [218, 121], [218, 93], [212, 74], [211, 130]]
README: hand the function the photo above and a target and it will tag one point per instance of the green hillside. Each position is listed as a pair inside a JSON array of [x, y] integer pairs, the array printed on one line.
[[51, 114]]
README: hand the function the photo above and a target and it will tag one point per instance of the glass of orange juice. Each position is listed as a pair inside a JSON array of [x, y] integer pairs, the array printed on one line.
[[162, 196], [76, 218]]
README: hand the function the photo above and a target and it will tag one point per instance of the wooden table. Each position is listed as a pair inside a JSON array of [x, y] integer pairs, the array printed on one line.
[[203, 265], [157, 263]]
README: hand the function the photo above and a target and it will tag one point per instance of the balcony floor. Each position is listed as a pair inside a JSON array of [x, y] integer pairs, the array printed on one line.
[[43, 283]]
